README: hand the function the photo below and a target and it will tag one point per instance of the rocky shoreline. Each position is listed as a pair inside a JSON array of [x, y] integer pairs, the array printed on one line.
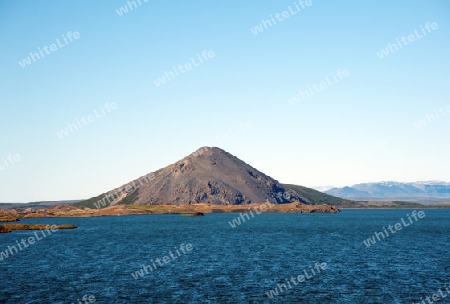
[[7, 216], [117, 210], [71, 211], [5, 228]]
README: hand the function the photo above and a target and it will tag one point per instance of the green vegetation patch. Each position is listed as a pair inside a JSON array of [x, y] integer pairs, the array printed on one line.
[[318, 198], [92, 203], [130, 199]]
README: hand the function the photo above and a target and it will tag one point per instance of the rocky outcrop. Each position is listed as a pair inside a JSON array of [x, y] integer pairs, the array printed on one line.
[[4, 229], [193, 214], [318, 208], [9, 216], [10, 227], [298, 207]]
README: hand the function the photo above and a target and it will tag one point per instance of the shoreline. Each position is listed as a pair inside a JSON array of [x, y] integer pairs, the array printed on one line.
[[395, 208], [7, 228], [118, 210], [68, 211]]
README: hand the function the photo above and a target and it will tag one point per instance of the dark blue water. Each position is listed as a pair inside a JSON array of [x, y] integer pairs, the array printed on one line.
[[232, 265]]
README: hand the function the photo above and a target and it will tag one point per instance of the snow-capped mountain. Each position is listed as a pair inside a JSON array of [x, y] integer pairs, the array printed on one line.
[[392, 189]]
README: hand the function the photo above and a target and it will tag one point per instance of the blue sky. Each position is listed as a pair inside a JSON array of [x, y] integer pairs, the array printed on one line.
[[360, 129]]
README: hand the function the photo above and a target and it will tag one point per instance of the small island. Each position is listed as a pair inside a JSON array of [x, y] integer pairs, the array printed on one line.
[[5, 228], [193, 214]]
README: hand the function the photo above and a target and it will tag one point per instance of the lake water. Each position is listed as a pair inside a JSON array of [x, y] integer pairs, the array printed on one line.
[[232, 265]]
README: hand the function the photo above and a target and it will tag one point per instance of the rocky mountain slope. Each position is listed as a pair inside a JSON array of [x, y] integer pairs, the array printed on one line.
[[210, 175]]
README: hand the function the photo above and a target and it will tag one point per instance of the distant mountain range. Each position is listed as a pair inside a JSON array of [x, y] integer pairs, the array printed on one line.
[[212, 176], [37, 205], [215, 177], [438, 190]]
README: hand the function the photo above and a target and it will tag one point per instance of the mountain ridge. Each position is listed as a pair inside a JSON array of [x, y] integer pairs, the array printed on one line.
[[393, 189], [209, 175]]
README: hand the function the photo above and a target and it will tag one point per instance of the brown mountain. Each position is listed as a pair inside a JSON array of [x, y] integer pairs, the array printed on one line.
[[209, 175]]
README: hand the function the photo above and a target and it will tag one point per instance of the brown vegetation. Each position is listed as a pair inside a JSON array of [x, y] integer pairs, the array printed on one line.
[[70, 211], [10, 227], [8, 216]]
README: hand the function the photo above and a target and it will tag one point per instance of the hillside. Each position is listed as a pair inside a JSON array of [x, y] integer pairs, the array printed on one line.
[[37, 205], [210, 175], [316, 197]]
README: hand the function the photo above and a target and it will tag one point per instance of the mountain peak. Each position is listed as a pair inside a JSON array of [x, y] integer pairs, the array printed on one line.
[[207, 151], [208, 175]]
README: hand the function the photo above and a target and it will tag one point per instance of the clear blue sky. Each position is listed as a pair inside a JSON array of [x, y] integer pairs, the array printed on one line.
[[360, 129]]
